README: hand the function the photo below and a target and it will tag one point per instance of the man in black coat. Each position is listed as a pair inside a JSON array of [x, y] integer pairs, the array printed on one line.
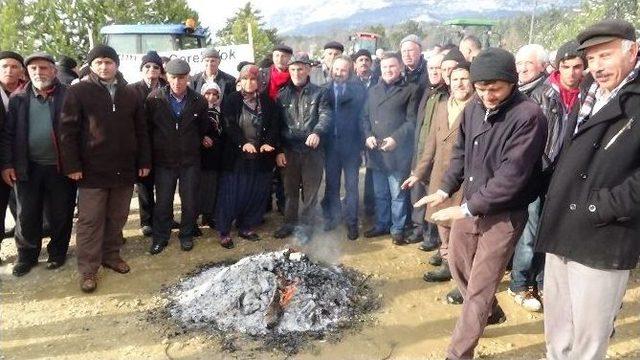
[[388, 122], [343, 148], [152, 71], [498, 157], [305, 118], [30, 165], [590, 224], [178, 121], [211, 59]]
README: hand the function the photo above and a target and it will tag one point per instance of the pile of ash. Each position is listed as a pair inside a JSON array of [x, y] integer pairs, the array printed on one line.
[[278, 296]]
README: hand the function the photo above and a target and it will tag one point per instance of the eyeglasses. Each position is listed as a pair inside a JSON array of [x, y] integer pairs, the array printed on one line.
[[154, 67]]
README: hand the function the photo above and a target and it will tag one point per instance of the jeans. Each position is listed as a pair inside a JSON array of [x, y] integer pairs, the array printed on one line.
[[391, 201], [338, 160], [166, 179], [528, 267]]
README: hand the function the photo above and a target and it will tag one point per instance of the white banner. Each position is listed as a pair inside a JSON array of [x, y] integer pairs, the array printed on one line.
[[230, 57]]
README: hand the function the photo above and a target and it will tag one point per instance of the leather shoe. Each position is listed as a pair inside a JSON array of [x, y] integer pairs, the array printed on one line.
[[157, 247], [436, 259], [186, 244], [226, 242], [414, 237], [22, 268], [440, 275], [352, 232], [373, 232], [497, 316], [146, 231], [249, 235], [454, 297], [398, 239], [120, 266], [283, 232], [196, 231], [54, 264], [88, 283], [428, 246]]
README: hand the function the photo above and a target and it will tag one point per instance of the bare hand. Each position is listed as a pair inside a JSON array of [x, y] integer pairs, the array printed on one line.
[[371, 142], [9, 176], [266, 148], [249, 148], [450, 213], [434, 199], [143, 172], [281, 160], [207, 142], [388, 144], [407, 184], [75, 176], [313, 141]]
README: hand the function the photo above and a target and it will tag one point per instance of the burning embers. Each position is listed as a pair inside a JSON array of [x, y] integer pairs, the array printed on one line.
[[278, 293]]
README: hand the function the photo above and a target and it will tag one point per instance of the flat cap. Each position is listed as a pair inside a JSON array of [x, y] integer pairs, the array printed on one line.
[[454, 54], [211, 53], [283, 48], [11, 55], [605, 31], [177, 67], [300, 58], [412, 38], [361, 52], [39, 56], [334, 45], [569, 50]]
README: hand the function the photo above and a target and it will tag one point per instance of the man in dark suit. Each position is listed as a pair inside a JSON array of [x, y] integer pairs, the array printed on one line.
[[388, 123], [343, 146]]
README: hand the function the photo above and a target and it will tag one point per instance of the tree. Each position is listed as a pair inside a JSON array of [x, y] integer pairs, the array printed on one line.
[[235, 31], [402, 30], [64, 27]]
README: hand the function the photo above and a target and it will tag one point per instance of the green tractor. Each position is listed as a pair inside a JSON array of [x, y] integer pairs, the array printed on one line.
[[464, 27]]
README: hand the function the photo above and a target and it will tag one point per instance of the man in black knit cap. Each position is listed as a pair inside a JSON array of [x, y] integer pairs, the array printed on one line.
[[498, 156]]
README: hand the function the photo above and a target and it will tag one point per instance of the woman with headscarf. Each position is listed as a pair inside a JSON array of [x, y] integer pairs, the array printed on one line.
[[211, 156], [250, 136]]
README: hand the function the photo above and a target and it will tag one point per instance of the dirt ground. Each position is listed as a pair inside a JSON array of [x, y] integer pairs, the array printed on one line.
[[44, 315]]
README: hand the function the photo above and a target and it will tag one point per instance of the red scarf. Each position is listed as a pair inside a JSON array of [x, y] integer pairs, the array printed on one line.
[[277, 80], [568, 96]]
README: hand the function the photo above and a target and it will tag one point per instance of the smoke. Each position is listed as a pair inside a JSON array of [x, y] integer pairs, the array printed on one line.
[[319, 245]]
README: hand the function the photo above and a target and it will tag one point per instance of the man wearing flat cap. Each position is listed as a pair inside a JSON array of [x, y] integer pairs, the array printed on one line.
[[104, 146], [498, 157], [305, 117], [30, 163], [178, 122], [273, 78], [152, 73], [415, 66], [212, 72], [321, 74], [590, 221]]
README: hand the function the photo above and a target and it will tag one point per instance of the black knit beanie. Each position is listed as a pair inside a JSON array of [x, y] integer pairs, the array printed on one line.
[[152, 57], [103, 51], [494, 64]]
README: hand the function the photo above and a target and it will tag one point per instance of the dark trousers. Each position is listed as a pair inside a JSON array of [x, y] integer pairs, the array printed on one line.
[[369, 196], [5, 191], [339, 160], [207, 192], [306, 169], [44, 185], [479, 250], [146, 202], [166, 179], [102, 214]]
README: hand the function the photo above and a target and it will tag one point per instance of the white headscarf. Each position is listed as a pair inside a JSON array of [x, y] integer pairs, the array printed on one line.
[[211, 85]]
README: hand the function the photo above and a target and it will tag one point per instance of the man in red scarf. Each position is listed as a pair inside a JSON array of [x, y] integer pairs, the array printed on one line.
[[273, 78]]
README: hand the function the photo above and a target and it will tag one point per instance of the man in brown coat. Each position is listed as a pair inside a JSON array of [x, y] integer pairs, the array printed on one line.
[[434, 162], [104, 144]]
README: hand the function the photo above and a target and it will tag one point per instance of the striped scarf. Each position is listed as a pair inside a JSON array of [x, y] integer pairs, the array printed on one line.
[[590, 98]]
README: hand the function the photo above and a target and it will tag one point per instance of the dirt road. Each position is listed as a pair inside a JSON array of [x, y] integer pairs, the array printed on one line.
[[45, 316]]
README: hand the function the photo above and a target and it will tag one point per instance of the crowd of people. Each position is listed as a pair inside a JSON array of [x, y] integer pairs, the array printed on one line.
[[495, 160]]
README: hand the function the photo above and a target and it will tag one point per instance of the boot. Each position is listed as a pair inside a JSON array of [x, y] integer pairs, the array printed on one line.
[[454, 297], [440, 275], [436, 259]]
